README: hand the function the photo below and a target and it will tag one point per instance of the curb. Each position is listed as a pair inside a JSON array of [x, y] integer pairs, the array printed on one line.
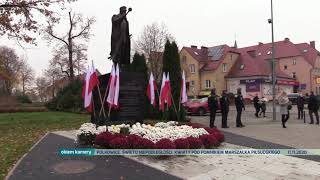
[[19, 161]]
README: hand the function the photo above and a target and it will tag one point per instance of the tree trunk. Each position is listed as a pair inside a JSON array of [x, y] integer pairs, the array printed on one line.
[[70, 60], [53, 87], [23, 90]]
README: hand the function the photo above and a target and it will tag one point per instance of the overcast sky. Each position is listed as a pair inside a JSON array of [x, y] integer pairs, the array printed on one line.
[[201, 22]]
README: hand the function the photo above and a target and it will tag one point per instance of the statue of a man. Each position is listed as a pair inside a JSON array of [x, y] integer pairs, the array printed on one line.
[[120, 37]]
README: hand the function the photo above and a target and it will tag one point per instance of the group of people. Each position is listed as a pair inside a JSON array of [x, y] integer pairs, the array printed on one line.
[[213, 102], [260, 105]]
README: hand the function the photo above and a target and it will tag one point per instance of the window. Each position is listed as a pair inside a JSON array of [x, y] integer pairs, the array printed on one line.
[[208, 84], [259, 54], [285, 67], [294, 62], [184, 59], [269, 52], [242, 66], [192, 68], [224, 67], [192, 83], [294, 75]]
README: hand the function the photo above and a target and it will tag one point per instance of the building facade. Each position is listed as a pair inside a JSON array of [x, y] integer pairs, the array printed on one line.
[[227, 68]]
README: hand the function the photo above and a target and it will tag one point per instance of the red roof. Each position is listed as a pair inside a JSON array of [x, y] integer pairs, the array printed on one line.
[[308, 52], [253, 67], [254, 59]]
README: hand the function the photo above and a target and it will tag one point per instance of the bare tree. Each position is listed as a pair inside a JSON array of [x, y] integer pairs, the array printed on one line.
[[53, 73], [151, 43], [17, 17], [11, 65], [26, 74], [41, 85], [79, 29], [60, 59]]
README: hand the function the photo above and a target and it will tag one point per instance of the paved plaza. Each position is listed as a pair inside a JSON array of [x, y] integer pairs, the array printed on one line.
[[258, 133]]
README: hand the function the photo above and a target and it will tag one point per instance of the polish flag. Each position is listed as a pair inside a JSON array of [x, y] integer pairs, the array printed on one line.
[[183, 94], [161, 97], [151, 90], [94, 80], [168, 94], [117, 88], [112, 80], [87, 90]]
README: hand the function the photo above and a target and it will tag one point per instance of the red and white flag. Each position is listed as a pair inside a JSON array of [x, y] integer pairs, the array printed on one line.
[[168, 93], [90, 82], [161, 96], [184, 96], [151, 90], [117, 88], [114, 87], [112, 78], [165, 93]]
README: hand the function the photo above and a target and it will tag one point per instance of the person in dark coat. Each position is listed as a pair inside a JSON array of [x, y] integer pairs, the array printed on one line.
[[213, 106], [256, 105], [239, 106], [300, 106], [313, 108], [224, 102]]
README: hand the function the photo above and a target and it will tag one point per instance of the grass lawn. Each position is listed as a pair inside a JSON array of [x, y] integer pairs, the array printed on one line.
[[19, 131]]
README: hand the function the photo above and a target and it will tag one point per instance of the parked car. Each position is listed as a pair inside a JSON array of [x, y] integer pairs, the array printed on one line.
[[198, 106]]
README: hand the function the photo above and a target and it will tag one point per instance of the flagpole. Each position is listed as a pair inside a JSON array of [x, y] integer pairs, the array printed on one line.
[[104, 113], [174, 105], [104, 99]]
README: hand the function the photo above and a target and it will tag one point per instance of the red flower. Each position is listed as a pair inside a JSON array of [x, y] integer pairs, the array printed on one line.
[[165, 144], [182, 143], [209, 141], [147, 144], [135, 141], [219, 136], [119, 143], [104, 139], [194, 143]]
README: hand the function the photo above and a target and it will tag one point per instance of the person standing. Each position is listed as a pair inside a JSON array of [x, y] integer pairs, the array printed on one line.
[[313, 108], [224, 102], [239, 106], [300, 106], [256, 105], [263, 105], [213, 106], [284, 111]]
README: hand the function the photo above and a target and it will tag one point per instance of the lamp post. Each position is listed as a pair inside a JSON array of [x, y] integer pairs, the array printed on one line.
[[274, 117]]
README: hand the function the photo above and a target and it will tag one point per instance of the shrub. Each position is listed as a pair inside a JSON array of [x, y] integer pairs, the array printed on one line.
[[119, 143], [219, 136], [86, 139], [135, 141], [147, 144], [24, 99], [194, 143], [209, 141], [104, 139], [68, 99], [165, 144], [182, 143]]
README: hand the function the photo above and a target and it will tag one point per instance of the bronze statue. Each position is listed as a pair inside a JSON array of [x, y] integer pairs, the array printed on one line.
[[120, 38]]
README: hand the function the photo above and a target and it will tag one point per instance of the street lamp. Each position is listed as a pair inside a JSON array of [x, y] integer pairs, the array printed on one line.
[[270, 21]]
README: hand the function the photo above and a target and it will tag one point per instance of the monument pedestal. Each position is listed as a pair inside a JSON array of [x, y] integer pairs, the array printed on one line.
[[131, 100]]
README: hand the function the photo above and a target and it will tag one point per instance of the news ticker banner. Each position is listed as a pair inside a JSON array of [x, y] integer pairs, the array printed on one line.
[[184, 152]]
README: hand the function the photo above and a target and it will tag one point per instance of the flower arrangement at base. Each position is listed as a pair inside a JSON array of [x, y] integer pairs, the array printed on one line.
[[182, 143], [162, 135], [165, 144]]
